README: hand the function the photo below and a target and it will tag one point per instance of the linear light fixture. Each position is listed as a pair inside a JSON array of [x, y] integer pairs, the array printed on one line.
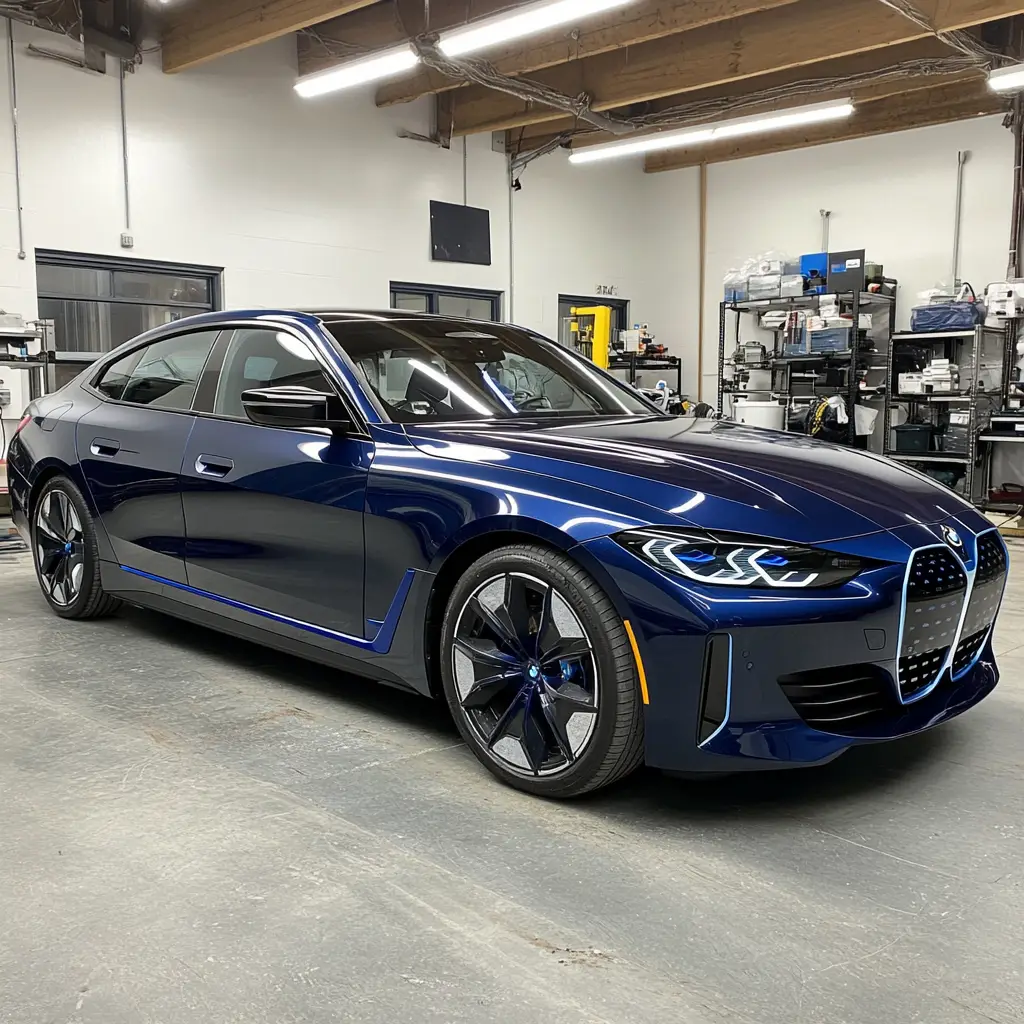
[[816, 113], [356, 72], [526, 21], [521, 22], [1007, 79]]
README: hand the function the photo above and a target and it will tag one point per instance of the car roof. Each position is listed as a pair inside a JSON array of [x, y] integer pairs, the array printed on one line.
[[309, 317]]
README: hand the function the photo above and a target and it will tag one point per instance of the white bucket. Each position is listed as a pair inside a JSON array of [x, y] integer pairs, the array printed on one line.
[[759, 382], [769, 415]]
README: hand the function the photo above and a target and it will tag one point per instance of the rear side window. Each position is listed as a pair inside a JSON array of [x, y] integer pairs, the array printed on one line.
[[163, 375], [115, 378]]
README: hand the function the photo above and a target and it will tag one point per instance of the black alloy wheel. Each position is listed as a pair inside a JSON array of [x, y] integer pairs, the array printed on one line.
[[539, 674], [524, 669], [65, 553], [60, 548]]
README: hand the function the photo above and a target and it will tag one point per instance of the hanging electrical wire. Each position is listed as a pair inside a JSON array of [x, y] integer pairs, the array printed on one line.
[[971, 54], [329, 47], [686, 115], [482, 72], [958, 39]]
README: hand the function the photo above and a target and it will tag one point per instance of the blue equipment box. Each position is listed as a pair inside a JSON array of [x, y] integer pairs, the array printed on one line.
[[814, 267]]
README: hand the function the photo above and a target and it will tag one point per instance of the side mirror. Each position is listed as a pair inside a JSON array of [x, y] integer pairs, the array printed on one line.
[[295, 408]]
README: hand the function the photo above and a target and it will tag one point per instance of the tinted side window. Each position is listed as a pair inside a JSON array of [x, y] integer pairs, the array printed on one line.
[[168, 371], [261, 357], [116, 376]]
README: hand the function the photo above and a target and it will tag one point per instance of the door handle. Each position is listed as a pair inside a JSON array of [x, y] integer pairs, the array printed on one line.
[[103, 448], [211, 465]]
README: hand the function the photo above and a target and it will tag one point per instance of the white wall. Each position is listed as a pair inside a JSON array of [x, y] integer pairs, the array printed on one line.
[[604, 224], [302, 202]]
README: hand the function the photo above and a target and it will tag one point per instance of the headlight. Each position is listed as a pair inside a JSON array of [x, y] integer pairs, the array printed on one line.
[[730, 560]]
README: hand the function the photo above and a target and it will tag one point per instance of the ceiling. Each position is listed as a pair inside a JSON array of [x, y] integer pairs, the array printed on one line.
[[649, 64]]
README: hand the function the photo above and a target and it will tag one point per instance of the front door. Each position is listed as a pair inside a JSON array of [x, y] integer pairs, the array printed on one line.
[[130, 449], [274, 517]]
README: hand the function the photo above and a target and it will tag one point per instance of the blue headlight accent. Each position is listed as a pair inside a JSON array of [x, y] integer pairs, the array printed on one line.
[[774, 560], [695, 557]]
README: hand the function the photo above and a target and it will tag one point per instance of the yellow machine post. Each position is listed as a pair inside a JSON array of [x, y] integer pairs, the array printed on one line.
[[594, 338]]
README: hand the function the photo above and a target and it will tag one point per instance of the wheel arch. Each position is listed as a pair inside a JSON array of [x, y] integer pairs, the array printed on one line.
[[488, 535], [45, 471]]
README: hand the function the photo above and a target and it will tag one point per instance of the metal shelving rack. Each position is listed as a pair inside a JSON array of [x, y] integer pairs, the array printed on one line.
[[634, 364], [852, 390], [979, 404]]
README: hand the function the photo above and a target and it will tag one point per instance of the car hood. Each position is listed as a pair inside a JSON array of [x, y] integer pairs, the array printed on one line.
[[711, 474]]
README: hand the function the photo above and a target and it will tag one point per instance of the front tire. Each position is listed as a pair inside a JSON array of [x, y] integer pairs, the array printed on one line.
[[65, 553], [539, 674]]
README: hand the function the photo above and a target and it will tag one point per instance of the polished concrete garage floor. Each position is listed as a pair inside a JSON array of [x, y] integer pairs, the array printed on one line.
[[193, 829]]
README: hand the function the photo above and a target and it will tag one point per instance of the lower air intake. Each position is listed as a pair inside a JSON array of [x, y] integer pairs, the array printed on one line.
[[841, 700]]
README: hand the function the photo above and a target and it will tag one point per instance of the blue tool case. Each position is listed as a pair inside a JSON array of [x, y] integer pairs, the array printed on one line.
[[958, 315]]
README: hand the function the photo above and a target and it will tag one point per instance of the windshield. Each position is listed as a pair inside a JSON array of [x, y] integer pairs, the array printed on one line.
[[434, 369]]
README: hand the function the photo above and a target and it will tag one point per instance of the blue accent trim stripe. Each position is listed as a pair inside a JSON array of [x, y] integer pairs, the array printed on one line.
[[380, 644]]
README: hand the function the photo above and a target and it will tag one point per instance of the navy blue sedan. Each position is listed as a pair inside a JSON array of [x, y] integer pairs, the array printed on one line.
[[473, 512]]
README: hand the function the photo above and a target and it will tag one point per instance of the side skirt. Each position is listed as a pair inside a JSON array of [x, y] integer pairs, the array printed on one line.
[[402, 665]]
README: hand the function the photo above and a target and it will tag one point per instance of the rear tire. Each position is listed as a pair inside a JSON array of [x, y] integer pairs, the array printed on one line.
[[539, 674], [65, 553]]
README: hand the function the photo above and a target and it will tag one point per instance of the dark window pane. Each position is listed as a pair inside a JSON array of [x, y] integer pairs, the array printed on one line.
[[430, 369], [115, 378], [102, 326], [165, 289], [412, 301], [167, 374], [72, 282], [470, 306], [265, 358]]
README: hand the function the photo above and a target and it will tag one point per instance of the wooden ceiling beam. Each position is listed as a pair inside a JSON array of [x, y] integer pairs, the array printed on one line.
[[917, 110], [637, 23], [199, 31], [804, 33], [535, 135]]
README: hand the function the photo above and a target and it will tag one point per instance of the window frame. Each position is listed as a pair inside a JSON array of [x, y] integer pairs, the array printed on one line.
[[432, 292], [114, 264], [215, 366], [91, 384], [215, 363]]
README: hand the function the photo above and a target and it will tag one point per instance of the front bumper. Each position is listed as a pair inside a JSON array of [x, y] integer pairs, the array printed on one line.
[[761, 681]]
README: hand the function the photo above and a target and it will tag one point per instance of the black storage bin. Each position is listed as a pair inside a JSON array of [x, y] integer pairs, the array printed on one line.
[[912, 437]]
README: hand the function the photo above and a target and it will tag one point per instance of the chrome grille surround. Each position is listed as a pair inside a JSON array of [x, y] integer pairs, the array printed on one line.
[[944, 592]]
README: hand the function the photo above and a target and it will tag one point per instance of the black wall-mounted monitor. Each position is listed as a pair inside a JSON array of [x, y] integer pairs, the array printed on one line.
[[460, 234]]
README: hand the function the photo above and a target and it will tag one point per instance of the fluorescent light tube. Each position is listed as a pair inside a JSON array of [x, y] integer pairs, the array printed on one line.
[[527, 21], [370, 69], [755, 125], [1007, 79]]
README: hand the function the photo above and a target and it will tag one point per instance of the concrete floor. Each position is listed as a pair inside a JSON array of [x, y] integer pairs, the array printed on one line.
[[195, 829]]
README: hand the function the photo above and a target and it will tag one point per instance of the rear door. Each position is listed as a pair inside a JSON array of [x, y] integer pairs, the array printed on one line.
[[274, 516], [131, 445]]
